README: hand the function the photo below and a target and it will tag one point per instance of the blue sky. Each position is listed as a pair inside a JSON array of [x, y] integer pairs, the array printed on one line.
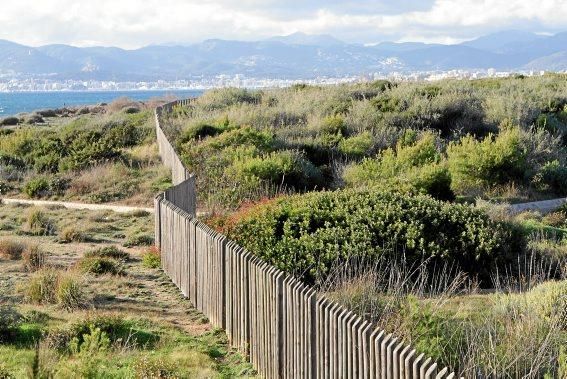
[[135, 23]]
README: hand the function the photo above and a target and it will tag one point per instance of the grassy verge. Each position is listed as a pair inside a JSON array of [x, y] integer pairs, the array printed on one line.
[[94, 308]]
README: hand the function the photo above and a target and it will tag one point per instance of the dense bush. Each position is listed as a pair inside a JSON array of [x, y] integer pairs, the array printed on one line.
[[413, 167], [9, 121], [152, 258], [77, 145], [494, 160], [308, 234], [37, 187]]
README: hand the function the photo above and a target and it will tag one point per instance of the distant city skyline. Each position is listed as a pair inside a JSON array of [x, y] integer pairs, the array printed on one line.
[[133, 24]]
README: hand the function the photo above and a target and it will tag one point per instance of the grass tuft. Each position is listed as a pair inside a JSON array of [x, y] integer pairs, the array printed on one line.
[[100, 266], [111, 252], [50, 286], [11, 250], [34, 258], [71, 234], [37, 223]]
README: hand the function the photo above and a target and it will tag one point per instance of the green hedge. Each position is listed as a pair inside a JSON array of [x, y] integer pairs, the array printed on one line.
[[308, 234]]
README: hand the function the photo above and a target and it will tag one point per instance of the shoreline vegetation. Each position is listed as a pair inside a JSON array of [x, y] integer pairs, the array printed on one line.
[[385, 196], [101, 154]]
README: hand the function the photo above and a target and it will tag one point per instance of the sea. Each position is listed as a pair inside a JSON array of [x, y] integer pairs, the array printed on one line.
[[12, 103]]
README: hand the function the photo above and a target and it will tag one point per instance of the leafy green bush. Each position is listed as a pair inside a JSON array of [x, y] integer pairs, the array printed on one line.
[[37, 187], [413, 167], [494, 160], [202, 130], [551, 177], [279, 167], [151, 258], [115, 327], [308, 234], [357, 146]]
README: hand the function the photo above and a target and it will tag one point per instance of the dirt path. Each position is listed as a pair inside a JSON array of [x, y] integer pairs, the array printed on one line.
[[70, 205]]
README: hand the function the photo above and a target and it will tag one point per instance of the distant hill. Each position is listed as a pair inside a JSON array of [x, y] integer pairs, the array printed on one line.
[[288, 57]]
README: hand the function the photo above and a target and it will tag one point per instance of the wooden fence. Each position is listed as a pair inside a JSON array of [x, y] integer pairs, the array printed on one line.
[[284, 327]]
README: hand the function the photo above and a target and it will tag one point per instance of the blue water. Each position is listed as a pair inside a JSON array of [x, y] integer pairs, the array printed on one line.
[[12, 103]]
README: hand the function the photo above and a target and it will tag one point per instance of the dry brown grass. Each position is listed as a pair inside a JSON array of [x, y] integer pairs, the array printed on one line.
[[34, 258], [11, 249]]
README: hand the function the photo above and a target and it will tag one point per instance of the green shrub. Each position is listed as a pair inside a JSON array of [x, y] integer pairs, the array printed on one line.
[[551, 177], [203, 130], [10, 121], [356, 146], [308, 234], [139, 240], [279, 167], [115, 327], [413, 168], [11, 250], [9, 323], [37, 187], [111, 252], [494, 160], [42, 186], [151, 258], [100, 266]]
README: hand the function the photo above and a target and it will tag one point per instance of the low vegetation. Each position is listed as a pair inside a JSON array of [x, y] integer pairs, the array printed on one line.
[[385, 196], [306, 235], [64, 315], [492, 138], [101, 156]]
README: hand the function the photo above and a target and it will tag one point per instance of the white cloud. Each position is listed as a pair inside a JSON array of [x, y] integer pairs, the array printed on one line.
[[134, 23]]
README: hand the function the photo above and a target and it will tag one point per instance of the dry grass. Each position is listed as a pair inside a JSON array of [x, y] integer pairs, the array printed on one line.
[[502, 334], [11, 249], [34, 258]]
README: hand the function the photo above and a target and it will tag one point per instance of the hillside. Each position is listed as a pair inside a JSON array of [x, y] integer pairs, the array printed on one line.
[[287, 57]]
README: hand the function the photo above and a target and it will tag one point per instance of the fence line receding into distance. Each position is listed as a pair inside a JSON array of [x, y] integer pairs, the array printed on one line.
[[284, 327]]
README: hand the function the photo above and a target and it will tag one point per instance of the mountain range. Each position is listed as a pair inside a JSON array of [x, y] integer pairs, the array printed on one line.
[[297, 56]]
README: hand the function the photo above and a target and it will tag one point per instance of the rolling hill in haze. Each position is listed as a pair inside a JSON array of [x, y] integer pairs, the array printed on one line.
[[288, 57]]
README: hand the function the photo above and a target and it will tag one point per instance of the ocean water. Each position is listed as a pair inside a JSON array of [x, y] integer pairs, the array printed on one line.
[[12, 103]]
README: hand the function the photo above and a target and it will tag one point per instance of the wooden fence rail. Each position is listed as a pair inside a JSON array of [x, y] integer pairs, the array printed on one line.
[[284, 327]]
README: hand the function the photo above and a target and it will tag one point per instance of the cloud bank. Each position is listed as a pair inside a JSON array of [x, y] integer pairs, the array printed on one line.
[[134, 23]]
